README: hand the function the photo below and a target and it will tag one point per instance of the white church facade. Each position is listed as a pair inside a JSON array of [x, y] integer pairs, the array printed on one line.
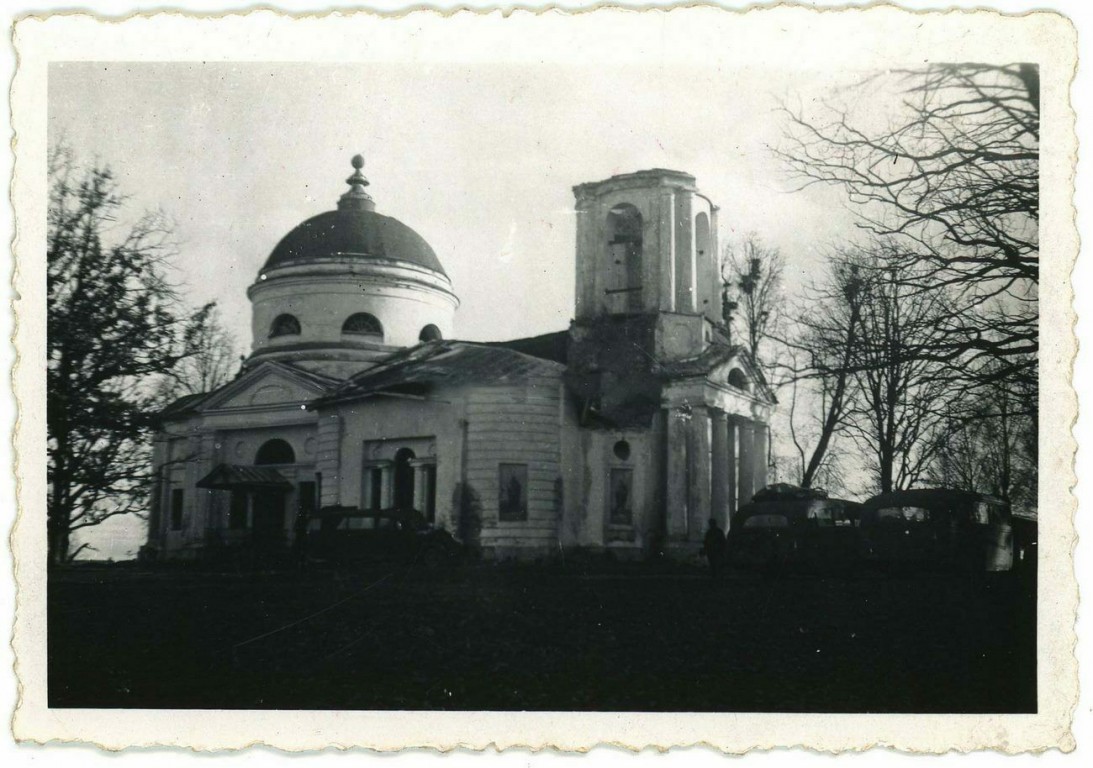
[[625, 432]]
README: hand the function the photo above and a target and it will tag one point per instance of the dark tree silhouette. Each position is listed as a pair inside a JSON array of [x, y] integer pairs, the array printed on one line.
[[113, 325], [902, 393], [823, 357], [953, 181]]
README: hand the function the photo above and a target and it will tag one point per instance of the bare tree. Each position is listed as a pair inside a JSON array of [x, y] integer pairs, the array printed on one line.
[[113, 324], [214, 361], [902, 392], [753, 272], [823, 355], [953, 179]]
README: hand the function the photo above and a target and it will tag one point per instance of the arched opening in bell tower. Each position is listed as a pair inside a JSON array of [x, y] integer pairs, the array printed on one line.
[[624, 260]]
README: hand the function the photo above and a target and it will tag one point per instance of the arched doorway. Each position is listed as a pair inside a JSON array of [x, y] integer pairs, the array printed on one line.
[[404, 479], [268, 521]]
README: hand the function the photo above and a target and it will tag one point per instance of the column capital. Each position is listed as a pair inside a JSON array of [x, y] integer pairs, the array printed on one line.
[[718, 415]]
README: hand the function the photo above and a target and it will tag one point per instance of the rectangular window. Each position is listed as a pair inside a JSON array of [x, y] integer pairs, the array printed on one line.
[[512, 498], [372, 496], [425, 487], [176, 509], [620, 497], [237, 512], [430, 492]]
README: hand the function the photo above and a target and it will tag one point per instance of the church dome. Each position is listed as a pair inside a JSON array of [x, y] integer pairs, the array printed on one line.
[[348, 287], [356, 234], [354, 231]]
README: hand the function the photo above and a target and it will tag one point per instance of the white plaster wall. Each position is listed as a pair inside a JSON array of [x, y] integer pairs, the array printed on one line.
[[403, 298], [596, 464], [402, 421]]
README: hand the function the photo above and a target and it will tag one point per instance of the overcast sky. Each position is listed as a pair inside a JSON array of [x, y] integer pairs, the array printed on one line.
[[481, 161]]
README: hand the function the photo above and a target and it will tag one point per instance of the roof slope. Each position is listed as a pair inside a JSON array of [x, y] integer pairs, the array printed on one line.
[[547, 346], [444, 363]]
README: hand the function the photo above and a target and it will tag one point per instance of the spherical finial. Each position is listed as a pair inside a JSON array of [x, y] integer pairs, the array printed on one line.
[[356, 198]]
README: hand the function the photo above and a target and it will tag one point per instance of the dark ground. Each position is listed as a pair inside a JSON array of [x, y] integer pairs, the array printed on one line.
[[524, 638]]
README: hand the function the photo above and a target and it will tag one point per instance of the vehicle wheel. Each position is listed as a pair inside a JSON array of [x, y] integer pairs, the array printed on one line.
[[433, 557]]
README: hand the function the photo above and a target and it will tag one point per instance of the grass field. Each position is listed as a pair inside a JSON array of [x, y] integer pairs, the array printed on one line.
[[525, 638]]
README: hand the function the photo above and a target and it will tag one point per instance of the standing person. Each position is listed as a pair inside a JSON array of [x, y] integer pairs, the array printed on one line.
[[299, 537], [713, 546]]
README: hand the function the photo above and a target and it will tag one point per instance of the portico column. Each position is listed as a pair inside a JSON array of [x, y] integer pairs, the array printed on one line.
[[675, 497], [719, 452], [760, 455], [730, 461], [746, 482], [419, 488], [699, 464]]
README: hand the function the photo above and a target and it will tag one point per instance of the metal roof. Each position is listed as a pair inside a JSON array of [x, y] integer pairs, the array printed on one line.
[[416, 369], [361, 235], [231, 476]]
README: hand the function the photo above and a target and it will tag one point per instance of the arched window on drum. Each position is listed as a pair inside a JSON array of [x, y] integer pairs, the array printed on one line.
[[284, 325], [430, 333], [624, 260], [363, 324]]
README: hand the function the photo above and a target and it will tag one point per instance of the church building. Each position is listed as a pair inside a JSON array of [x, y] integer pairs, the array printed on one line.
[[624, 432]]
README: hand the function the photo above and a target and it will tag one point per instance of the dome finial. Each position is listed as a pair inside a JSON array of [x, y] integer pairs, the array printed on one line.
[[356, 199]]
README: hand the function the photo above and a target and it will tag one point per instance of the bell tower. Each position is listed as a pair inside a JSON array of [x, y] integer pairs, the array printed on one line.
[[647, 249], [648, 289]]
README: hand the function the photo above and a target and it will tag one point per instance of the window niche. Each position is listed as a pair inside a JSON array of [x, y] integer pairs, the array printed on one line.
[[176, 509], [512, 502], [620, 497]]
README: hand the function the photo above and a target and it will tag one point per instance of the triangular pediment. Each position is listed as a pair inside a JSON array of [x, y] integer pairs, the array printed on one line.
[[738, 372], [269, 384]]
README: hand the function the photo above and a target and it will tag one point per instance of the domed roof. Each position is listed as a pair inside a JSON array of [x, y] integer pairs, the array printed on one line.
[[356, 231], [358, 234]]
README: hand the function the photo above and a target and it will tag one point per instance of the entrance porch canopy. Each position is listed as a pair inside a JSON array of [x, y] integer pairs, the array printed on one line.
[[229, 477]]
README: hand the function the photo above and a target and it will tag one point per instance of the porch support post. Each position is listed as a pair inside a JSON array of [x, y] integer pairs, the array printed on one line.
[[761, 438], [699, 463], [419, 488], [676, 497], [730, 460], [747, 461], [719, 461]]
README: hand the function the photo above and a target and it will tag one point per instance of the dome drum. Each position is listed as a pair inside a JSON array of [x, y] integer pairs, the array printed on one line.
[[322, 307]]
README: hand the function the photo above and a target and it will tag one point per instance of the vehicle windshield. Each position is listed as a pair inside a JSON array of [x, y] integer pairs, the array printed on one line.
[[903, 515], [828, 514], [767, 521], [985, 513]]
